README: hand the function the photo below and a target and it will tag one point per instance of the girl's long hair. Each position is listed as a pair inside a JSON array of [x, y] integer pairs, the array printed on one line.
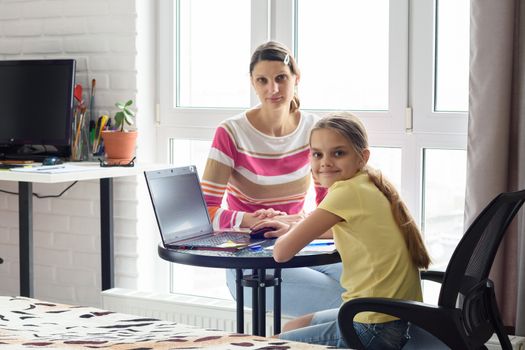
[[349, 126], [275, 51]]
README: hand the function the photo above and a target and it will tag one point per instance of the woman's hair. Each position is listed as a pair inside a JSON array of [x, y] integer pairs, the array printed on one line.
[[350, 127], [275, 51]]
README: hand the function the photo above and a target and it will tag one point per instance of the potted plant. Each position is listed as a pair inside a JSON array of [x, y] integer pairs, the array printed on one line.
[[119, 143]]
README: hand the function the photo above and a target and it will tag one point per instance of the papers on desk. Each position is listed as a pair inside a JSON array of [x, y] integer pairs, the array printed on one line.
[[317, 245], [53, 169]]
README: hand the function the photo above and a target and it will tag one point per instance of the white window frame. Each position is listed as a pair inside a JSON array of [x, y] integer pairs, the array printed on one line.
[[271, 19], [430, 129], [410, 124], [422, 78]]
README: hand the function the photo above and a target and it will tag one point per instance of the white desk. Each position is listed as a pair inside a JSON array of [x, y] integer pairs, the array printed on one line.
[[25, 214]]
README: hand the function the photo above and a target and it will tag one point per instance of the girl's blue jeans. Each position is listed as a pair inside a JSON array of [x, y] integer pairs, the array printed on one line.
[[324, 330]]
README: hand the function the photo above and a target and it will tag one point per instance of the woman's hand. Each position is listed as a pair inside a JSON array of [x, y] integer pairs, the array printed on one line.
[[267, 213], [290, 219], [250, 219]]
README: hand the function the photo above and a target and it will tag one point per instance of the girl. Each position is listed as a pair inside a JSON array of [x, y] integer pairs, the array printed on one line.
[[380, 246], [258, 167]]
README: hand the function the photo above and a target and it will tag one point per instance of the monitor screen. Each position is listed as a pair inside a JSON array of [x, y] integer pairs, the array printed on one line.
[[36, 104]]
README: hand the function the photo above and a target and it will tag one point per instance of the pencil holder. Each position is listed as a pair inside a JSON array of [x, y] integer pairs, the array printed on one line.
[[80, 145]]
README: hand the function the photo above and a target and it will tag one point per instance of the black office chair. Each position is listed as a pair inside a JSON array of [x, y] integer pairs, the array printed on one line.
[[467, 313]]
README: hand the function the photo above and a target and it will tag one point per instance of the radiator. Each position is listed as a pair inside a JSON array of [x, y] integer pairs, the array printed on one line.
[[197, 311]]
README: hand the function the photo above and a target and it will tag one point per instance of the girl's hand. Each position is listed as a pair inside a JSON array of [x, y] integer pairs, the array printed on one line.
[[267, 213], [279, 228], [313, 226]]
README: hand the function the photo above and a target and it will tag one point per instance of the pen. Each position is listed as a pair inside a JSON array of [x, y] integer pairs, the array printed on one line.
[[50, 167], [318, 244], [255, 248], [92, 101], [91, 133]]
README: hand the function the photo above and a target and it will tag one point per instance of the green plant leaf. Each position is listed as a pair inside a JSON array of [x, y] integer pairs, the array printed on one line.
[[124, 116], [128, 112], [128, 120]]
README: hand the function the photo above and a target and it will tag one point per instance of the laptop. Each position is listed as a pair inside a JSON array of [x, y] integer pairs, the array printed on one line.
[[182, 215]]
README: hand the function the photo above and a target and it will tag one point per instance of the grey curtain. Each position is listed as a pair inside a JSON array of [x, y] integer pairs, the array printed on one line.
[[496, 137]]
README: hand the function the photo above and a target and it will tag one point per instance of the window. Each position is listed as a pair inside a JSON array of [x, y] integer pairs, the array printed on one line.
[[200, 51], [451, 59], [357, 67], [400, 65], [444, 199]]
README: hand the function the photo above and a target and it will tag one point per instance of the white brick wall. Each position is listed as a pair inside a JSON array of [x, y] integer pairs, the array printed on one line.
[[101, 35]]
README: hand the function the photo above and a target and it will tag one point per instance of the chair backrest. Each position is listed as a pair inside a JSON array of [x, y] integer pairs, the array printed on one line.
[[472, 259]]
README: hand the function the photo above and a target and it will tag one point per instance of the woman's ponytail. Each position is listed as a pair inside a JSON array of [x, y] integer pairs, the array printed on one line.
[[295, 104]]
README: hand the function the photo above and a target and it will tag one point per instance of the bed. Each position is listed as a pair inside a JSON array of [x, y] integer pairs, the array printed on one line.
[[27, 323]]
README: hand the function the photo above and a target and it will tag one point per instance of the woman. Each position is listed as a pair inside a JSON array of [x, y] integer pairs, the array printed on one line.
[[259, 159]]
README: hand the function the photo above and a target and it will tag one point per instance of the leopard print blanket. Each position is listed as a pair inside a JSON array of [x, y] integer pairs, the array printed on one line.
[[27, 323]]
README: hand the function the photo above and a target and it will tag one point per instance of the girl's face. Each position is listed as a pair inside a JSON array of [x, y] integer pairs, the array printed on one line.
[[274, 83], [333, 158]]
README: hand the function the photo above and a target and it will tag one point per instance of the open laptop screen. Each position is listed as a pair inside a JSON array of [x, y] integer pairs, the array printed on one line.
[[178, 203]]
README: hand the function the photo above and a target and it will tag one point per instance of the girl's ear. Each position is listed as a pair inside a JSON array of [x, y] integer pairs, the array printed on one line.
[[365, 156]]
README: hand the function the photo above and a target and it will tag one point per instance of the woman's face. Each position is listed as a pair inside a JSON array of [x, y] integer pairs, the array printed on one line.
[[274, 83]]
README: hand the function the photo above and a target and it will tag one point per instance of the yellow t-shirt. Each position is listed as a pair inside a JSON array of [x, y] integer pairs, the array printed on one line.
[[375, 258]]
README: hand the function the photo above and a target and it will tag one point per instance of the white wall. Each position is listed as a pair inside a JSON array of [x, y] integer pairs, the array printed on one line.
[[102, 35]]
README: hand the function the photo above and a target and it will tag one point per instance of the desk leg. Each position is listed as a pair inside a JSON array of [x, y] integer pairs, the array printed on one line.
[[25, 222], [255, 302], [277, 302], [240, 300], [106, 233], [261, 304]]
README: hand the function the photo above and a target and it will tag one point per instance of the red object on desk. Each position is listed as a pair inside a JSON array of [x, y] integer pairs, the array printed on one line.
[[78, 92]]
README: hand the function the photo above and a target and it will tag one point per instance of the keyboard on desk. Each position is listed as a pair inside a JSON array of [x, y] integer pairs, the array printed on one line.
[[10, 166]]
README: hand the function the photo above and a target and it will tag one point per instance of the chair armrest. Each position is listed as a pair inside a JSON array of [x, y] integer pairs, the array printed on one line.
[[434, 276], [442, 323]]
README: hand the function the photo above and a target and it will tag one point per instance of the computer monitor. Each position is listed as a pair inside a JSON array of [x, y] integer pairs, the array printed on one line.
[[36, 106]]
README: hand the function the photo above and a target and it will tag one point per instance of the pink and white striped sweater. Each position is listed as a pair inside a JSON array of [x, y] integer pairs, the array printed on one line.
[[257, 171]]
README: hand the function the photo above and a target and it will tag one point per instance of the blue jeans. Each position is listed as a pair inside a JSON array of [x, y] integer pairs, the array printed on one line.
[[304, 290], [324, 330], [383, 336]]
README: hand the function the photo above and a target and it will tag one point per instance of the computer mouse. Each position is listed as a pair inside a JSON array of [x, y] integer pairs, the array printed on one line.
[[52, 161], [259, 233]]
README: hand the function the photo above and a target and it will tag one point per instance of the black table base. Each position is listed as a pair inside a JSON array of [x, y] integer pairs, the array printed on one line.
[[258, 262], [259, 281]]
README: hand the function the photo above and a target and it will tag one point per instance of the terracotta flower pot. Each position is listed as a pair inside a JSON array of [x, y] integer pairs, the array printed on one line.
[[119, 146]]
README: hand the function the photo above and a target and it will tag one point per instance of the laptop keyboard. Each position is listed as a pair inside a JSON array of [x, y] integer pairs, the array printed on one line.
[[219, 239]]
